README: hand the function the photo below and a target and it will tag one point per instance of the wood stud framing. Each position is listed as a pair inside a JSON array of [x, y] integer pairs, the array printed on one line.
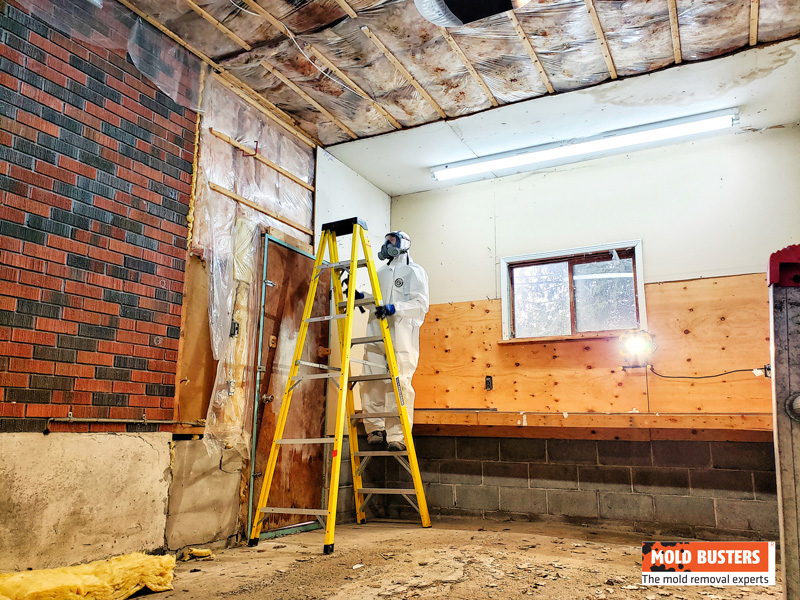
[[601, 37], [261, 158], [470, 67], [211, 19], [673, 26], [754, 5], [261, 209], [526, 42], [403, 71]]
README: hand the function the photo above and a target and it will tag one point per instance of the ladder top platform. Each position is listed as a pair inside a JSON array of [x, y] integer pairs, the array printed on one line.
[[344, 227]]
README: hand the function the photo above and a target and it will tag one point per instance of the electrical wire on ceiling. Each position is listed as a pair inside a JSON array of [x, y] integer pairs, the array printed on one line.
[[242, 8], [767, 370]]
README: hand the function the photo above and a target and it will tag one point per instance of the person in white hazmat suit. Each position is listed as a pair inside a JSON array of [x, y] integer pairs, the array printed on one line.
[[404, 290]]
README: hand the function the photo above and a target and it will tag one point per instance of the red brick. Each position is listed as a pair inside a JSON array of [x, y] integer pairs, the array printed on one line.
[[46, 410], [69, 45], [127, 387], [108, 427], [72, 370], [22, 262], [55, 53], [151, 328], [13, 379], [65, 272], [168, 125], [39, 280], [29, 177], [131, 287], [84, 117], [146, 218], [95, 358], [68, 427], [148, 352], [114, 348], [90, 412], [45, 199], [101, 138], [146, 377], [9, 274], [148, 401], [15, 349], [56, 326], [37, 122], [39, 338], [20, 130], [106, 256], [8, 303], [41, 97], [123, 412], [158, 414], [132, 337], [175, 228], [10, 244], [12, 409], [147, 194], [80, 316], [103, 114], [50, 171], [106, 204], [126, 112], [159, 365], [171, 355], [30, 205], [19, 291], [122, 88], [12, 55], [49, 254], [104, 281], [163, 271], [65, 162], [12, 214], [93, 305], [92, 385], [24, 365], [72, 397], [82, 289]]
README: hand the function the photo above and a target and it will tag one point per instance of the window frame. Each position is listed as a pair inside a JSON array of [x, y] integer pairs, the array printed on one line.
[[571, 255]]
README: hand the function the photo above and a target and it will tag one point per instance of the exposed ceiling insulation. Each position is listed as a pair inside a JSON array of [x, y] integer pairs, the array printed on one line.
[[349, 69]]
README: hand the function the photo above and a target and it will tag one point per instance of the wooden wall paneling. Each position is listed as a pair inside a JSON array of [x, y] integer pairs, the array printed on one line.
[[708, 326], [197, 368]]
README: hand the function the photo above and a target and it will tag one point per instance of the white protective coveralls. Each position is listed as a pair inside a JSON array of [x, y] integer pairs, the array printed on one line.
[[405, 285]]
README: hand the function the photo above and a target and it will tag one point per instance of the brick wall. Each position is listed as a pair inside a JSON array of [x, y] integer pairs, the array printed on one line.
[[690, 488], [95, 177]]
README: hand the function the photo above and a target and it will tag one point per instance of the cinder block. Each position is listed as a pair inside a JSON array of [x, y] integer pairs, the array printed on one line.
[[715, 483], [474, 497], [572, 504], [766, 485], [523, 450], [428, 470], [750, 516], [553, 476], [621, 452], [627, 507], [441, 447], [468, 448], [527, 501], [505, 474], [667, 453], [658, 481], [753, 456], [467, 472], [440, 496], [607, 479], [685, 510], [572, 451]]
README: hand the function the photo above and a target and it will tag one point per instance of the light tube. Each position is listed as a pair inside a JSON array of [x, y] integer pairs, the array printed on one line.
[[564, 152]]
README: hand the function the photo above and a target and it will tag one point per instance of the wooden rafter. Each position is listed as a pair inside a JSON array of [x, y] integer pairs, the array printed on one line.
[[216, 23], [347, 8], [261, 158], [269, 17], [403, 71], [754, 5], [244, 91], [352, 84], [305, 96], [526, 42], [673, 26], [470, 67], [601, 37], [261, 209]]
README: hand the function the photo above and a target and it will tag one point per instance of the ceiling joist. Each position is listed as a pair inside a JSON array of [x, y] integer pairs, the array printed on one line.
[[754, 5], [673, 27], [601, 37], [352, 84], [526, 42], [403, 71], [347, 8], [280, 26], [216, 23], [470, 67]]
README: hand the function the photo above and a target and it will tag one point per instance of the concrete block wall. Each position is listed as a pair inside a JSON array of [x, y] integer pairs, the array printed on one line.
[[691, 488], [95, 178]]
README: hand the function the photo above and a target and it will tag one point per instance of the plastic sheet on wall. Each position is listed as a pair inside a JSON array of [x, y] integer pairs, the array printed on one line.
[[777, 20], [709, 29]]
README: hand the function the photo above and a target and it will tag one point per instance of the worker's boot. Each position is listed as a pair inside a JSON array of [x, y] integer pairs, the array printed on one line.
[[376, 438], [396, 447]]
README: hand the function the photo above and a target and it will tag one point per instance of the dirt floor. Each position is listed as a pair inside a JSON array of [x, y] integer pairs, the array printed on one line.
[[454, 559]]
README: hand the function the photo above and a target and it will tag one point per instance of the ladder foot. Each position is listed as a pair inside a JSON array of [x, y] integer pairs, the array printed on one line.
[[327, 549], [362, 522], [252, 542]]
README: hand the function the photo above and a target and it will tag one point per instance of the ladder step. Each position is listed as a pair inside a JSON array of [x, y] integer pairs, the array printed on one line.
[[362, 302], [378, 377], [331, 375], [366, 340], [298, 441], [325, 318], [377, 415], [386, 491], [343, 265], [380, 453], [317, 365], [294, 511]]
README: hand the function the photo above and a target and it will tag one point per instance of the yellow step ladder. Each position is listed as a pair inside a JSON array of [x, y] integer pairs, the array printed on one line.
[[345, 410]]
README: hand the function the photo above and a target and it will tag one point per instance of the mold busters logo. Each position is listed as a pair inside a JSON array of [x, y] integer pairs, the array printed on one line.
[[708, 563]]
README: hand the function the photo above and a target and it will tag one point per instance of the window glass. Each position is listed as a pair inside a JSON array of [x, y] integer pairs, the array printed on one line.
[[605, 295], [541, 300]]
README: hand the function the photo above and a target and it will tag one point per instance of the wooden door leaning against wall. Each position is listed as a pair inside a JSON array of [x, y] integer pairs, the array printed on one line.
[[290, 273]]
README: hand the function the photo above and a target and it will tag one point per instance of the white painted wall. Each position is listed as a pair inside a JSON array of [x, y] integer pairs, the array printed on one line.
[[712, 207]]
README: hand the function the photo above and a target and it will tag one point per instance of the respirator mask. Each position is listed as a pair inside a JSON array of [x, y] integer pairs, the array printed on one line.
[[388, 251]]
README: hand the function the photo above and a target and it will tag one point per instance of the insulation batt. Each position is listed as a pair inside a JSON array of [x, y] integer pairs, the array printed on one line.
[[113, 579], [712, 27], [778, 20]]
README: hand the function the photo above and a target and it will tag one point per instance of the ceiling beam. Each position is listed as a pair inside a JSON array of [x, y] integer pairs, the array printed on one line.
[[347, 8], [403, 71], [243, 90], [526, 42], [601, 37], [216, 23], [673, 27], [470, 67], [305, 96], [352, 84], [279, 25], [754, 5]]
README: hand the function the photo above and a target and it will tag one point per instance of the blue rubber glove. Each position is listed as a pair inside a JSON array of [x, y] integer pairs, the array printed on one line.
[[359, 295], [384, 311]]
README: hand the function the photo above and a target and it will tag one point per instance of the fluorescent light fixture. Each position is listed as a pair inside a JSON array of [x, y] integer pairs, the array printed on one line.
[[559, 153]]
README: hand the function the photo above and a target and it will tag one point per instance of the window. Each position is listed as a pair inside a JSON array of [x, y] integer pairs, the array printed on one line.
[[579, 293]]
